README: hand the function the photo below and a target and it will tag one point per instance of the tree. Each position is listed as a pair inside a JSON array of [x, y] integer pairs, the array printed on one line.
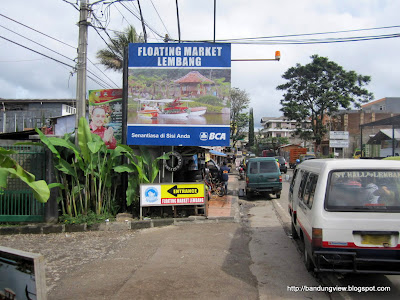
[[317, 90], [113, 56], [251, 128], [275, 142], [239, 120]]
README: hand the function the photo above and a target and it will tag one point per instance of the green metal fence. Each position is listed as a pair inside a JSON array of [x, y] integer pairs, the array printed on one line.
[[17, 203]]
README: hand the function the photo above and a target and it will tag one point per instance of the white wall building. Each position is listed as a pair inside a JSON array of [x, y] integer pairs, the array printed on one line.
[[281, 127]]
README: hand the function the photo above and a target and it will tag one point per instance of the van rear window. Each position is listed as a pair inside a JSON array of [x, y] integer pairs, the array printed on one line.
[[363, 190], [268, 167]]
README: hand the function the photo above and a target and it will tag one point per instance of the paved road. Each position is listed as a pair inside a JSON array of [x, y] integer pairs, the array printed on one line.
[[254, 258], [357, 282]]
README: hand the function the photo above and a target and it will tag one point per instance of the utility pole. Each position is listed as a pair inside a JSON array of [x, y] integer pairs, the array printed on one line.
[[81, 65]]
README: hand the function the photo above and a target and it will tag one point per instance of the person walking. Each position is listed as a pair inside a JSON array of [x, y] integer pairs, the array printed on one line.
[[225, 176]]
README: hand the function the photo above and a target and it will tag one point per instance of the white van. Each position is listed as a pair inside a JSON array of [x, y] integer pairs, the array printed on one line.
[[346, 213]]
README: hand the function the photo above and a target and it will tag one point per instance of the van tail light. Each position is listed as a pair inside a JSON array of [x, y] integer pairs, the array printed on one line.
[[280, 178], [247, 180], [316, 237]]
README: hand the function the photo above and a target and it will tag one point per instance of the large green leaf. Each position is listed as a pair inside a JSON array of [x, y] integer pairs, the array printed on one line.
[[3, 177], [40, 188], [84, 137], [45, 140], [95, 147]]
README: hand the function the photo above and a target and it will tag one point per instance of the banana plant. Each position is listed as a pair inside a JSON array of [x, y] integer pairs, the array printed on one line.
[[141, 169], [86, 171], [10, 168]]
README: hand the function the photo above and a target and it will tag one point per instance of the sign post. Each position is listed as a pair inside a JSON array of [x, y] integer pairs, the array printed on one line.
[[171, 194], [338, 139]]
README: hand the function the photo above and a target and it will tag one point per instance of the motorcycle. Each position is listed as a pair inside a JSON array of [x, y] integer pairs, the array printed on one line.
[[241, 173]]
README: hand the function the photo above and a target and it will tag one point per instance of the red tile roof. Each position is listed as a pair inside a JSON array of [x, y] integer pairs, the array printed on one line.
[[194, 77]]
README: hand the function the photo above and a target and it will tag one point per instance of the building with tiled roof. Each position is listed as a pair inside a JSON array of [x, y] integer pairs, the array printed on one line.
[[194, 84]]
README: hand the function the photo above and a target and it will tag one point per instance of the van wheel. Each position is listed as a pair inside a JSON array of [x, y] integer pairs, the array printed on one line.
[[295, 235], [307, 261], [278, 195]]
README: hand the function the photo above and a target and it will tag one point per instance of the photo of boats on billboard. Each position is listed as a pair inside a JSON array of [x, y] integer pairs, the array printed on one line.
[[179, 96]]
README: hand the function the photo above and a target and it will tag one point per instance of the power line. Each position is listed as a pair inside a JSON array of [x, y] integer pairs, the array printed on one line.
[[306, 34], [54, 50], [49, 57], [268, 41], [318, 41], [37, 43], [102, 72], [145, 23], [159, 16], [37, 52], [37, 31]]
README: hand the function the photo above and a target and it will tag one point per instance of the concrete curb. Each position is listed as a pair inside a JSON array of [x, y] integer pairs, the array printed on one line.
[[45, 228], [110, 226]]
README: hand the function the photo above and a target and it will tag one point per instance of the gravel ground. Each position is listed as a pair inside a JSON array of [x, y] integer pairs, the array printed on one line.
[[67, 252]]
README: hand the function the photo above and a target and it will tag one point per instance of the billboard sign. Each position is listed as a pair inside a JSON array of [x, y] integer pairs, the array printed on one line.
[[338, 135], [171, 194], [105, 115], [179, 94], [22, 275], [338, 139]]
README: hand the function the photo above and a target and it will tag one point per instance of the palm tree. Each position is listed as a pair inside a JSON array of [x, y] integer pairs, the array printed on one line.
[[113, 56]]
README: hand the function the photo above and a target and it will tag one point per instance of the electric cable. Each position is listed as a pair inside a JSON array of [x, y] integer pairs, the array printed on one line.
[[37, 52], [51, 49], [36, 43], [159, 17], [37, 31], [49, 57], [317, 33], [145, 23]]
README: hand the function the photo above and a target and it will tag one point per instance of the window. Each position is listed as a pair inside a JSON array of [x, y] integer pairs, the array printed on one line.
[[268, 167], [363, 190], [253, 168], [302, 184], [293, 181], [309, 190]]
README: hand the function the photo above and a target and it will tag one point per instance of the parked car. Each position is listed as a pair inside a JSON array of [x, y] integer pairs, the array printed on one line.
[[263, 175], [282, 164], [346, 213], [307, 156]]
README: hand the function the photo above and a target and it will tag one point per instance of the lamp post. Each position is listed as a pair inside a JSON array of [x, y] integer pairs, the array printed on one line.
[[277, 58]]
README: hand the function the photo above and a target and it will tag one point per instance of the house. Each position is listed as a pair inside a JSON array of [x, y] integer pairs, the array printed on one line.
[[387, 104], [384, 138], [281, 127], [20, 114], [194, 84], [351, 121]]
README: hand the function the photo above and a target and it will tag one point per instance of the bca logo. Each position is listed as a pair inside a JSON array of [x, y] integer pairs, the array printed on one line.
[[204, 136]]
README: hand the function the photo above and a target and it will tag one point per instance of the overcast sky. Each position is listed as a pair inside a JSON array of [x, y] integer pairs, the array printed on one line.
[[26, 74]]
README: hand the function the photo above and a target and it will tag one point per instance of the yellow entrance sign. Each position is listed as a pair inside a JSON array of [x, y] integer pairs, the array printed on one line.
[[184, 190]]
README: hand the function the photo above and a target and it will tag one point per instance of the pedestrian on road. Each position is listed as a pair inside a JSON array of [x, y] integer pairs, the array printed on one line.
[[225, 176]]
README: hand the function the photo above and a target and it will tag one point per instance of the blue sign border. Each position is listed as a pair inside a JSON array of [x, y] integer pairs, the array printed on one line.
[[181, 55], [178, 136]]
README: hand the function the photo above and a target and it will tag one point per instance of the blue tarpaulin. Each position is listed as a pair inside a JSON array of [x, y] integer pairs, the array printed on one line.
[[217, 153]]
